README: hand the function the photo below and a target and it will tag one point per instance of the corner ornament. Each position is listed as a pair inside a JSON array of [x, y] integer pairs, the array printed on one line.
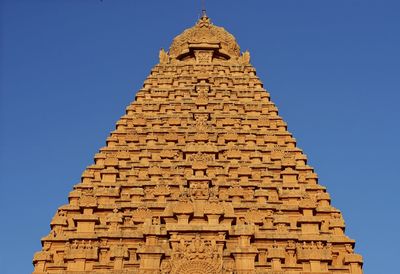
[[244, 59], [163, 56]]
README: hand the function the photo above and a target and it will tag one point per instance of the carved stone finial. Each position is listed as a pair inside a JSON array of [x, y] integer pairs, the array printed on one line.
[[203, 13]]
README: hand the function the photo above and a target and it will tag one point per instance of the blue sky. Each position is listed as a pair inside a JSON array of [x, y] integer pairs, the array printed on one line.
[[68, 69]]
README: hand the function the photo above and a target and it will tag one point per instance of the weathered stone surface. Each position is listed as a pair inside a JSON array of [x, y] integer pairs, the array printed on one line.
[[199, 176]]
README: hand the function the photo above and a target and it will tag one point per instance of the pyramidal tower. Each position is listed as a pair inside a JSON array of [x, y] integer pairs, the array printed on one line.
[[200, 176]]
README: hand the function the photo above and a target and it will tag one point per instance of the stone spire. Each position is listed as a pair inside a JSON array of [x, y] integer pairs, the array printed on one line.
[[199, 176]]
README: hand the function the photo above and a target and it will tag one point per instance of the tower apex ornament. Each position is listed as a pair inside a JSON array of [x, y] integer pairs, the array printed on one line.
[[203, 8]]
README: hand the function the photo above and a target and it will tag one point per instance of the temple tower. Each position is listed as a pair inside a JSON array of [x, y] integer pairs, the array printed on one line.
[[200, 176]]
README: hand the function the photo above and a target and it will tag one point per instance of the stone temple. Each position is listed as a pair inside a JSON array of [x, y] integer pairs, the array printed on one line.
[[200, 176]]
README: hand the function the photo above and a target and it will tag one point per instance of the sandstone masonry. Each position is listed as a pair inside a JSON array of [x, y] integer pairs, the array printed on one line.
[[200, 176]]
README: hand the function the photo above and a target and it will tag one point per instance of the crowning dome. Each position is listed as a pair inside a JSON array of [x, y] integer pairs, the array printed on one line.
[[205, 35]]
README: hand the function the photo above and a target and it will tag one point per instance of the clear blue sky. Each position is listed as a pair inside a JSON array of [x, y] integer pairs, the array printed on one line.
[[69, 68]]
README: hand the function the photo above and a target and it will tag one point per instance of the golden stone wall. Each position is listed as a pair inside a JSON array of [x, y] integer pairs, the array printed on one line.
[[200, 176]]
